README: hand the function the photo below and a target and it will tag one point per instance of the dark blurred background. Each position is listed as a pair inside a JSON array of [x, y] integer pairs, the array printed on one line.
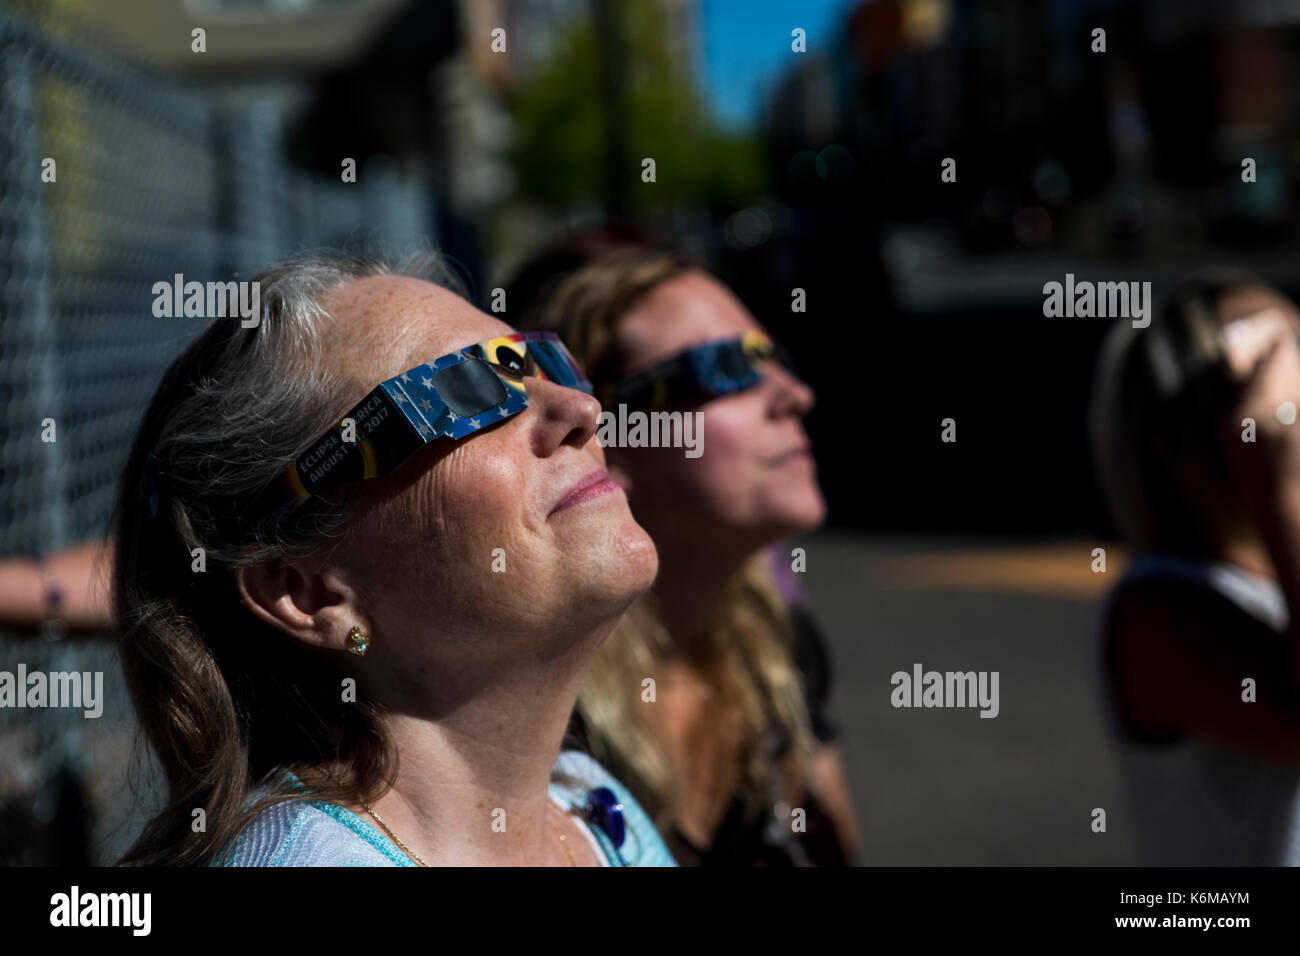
[[817, 170]]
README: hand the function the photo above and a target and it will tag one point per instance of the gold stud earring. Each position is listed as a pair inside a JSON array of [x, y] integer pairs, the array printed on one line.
[[358, 643]]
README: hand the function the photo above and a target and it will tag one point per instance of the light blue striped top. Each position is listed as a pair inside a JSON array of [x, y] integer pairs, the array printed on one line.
[[318, 833]]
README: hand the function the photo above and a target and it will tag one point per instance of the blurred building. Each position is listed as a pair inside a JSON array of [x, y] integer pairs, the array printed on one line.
[[1124, 164], [544, 38]]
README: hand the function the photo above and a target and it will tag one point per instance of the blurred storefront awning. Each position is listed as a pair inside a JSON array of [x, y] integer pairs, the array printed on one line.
[[305, 34]]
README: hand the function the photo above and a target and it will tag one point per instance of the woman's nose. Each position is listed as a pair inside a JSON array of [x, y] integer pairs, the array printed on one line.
[[791, 394], [561, 416]]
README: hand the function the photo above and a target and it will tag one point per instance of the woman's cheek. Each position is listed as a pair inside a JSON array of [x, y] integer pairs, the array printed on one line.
[[728, 459], [718, 483], [717, 486], [464, 510]]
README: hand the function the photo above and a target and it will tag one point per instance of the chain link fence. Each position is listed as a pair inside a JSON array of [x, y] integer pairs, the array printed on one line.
[[113, 178]]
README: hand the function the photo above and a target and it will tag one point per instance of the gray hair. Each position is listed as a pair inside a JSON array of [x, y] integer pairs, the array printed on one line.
[[223, 697], [243, 403]]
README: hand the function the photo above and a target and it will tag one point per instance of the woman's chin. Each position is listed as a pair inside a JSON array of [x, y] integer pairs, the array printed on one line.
[[618, 568], [814, 512], [796, 514], [639, 559]]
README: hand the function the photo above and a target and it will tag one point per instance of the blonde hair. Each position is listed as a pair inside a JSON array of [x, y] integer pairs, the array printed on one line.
[[743, 650]]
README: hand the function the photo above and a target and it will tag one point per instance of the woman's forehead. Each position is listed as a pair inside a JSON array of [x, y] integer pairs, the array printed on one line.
[[683, 312], [431, 336], [384, 325]]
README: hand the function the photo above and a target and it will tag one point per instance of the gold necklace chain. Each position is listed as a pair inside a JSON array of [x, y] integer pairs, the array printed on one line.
[[564, 842], [407, 850]]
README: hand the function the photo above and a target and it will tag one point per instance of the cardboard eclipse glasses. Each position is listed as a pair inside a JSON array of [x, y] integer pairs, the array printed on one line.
[[698, 373], [477, 386], [450, 397]]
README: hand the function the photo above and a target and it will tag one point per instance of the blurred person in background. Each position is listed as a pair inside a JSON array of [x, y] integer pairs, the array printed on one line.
[[737, 741], [63, 592], [1200, 655], [369, 562]]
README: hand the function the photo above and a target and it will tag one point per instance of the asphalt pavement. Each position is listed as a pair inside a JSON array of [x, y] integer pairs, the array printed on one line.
[[943, 785]]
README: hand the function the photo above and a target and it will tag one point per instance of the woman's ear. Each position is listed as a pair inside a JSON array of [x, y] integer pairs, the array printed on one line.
[[314, 606]]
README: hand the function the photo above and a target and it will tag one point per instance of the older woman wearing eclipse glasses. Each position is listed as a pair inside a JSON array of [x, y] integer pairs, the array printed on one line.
[[356, 616]]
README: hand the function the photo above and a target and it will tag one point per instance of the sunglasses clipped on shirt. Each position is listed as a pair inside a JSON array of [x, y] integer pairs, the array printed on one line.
[[699, 373], [451, 397]]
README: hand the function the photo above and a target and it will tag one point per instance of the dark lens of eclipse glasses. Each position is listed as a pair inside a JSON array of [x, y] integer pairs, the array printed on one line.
[[469, 388]]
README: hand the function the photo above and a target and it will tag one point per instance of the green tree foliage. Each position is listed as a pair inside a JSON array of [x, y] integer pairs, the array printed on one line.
[[560, 114]]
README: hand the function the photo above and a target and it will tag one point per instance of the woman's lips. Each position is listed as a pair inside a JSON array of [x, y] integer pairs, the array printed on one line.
[[801, 454], [593, 486]]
